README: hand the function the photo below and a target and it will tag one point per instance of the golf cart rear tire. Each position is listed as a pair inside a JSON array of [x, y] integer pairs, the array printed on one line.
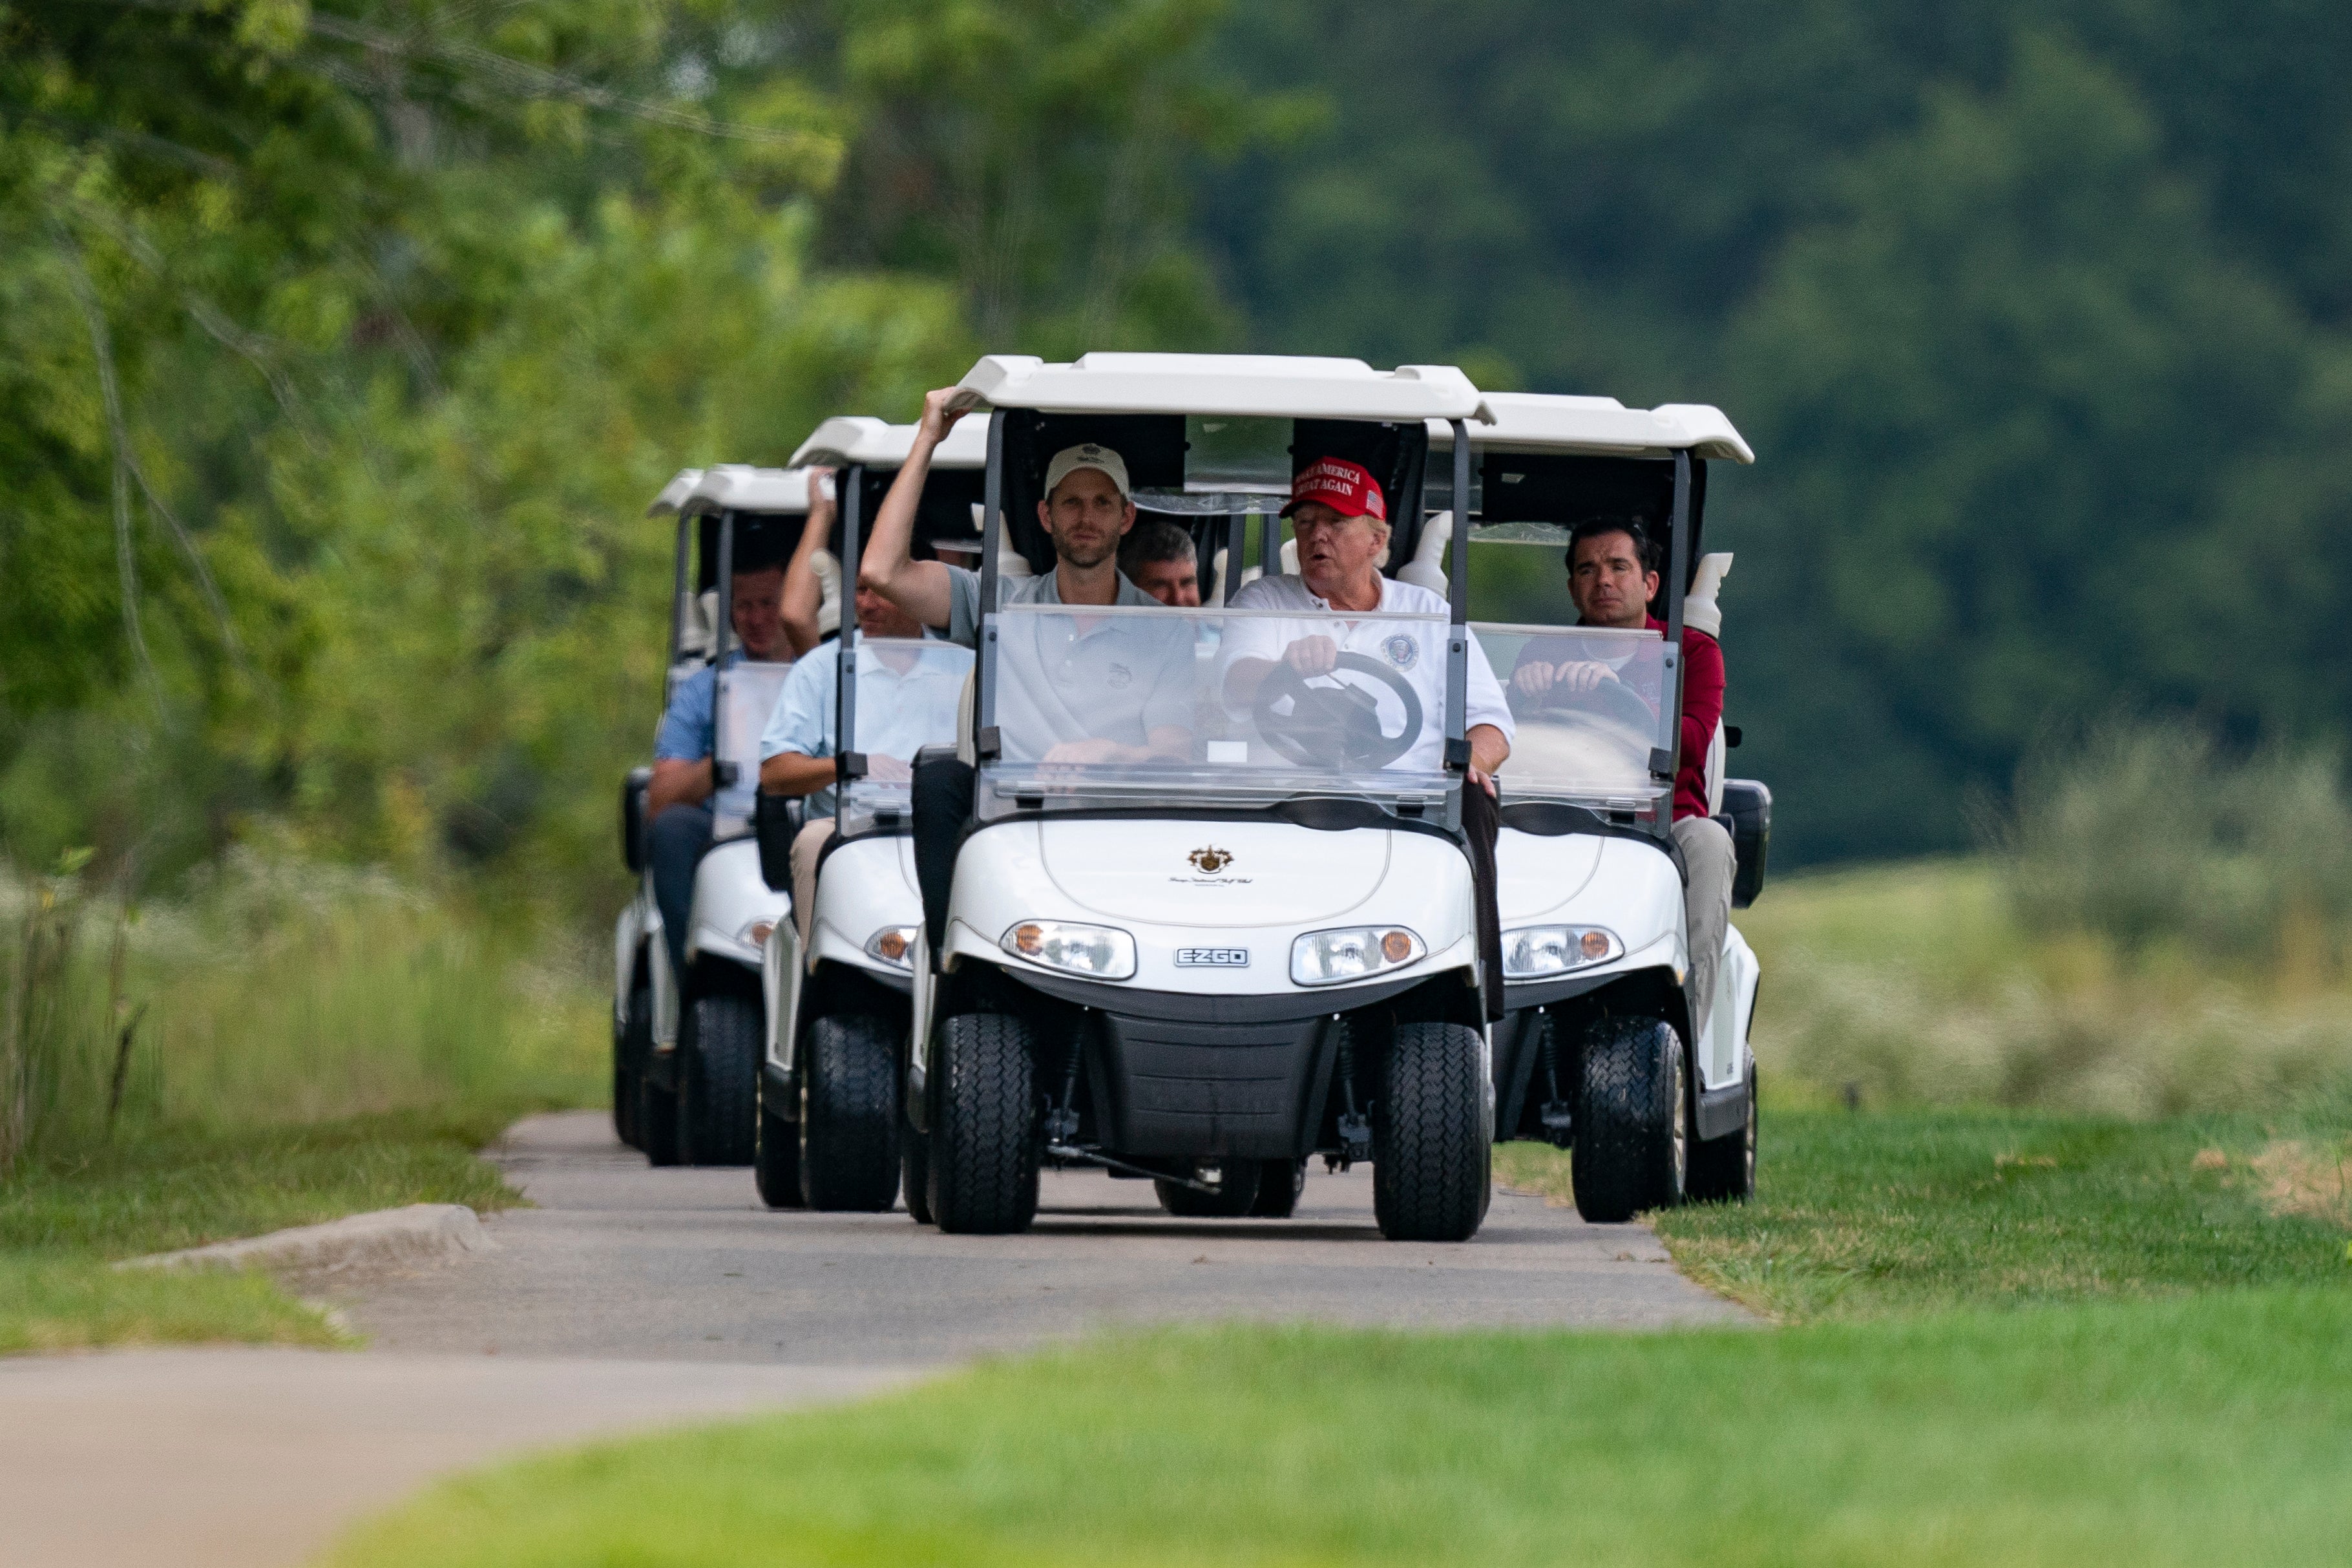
[[719, 1081], [985, 1127], [1632, 1125], [656, 1121], [1722, 1170], [849, 1117], [1431, 1161], [915, 1173], [776, 1157], [1279, 1184], [1237, 1193]]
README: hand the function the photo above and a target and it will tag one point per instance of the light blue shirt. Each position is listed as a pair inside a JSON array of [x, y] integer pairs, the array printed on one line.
[[899, 712]]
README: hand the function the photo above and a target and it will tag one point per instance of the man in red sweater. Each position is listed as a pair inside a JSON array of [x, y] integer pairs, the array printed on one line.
[[1613, 576]]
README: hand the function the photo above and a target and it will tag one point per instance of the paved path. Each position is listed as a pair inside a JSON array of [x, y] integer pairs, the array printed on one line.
[[622, 1260], [632, 1297]]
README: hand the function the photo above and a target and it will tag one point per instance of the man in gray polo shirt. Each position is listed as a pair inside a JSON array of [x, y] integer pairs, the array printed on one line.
[[1070, 689]]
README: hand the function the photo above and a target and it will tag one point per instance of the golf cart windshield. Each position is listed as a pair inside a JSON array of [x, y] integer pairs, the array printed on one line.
[[905, 696], [1593, 708], [1139, 707], [747, 696]]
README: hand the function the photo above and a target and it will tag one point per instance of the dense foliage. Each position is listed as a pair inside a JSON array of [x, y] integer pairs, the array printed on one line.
[[342, 341], [2034, 313]]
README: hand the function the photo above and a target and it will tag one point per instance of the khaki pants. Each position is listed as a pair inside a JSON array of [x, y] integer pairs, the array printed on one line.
[[807, 845], [1706, 908]]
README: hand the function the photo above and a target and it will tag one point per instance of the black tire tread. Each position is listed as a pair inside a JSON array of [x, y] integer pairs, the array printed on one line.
[[1432, 1160], [1719, 1168], [1620, 1164], [776, 1156], [718, 1080], [985, 1127], [849, 1115]]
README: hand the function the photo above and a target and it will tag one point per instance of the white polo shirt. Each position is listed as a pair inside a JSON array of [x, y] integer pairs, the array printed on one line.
[[1415, 650]]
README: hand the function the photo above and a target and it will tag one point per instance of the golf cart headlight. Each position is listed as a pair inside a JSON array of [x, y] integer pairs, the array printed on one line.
[[1537, 950], [1095, 950], [893, 944], [1326, 957]]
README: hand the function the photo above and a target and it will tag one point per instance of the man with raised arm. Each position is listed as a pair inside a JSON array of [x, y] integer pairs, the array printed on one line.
[[1612, 577], [1081, 689]]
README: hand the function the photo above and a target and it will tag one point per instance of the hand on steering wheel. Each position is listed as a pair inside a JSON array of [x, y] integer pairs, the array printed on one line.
[[1338, 724]]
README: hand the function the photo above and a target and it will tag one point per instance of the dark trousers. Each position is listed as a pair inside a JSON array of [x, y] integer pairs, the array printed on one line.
[[680, 836]]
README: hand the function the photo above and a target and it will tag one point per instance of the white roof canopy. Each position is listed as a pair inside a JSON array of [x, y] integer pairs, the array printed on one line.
[[1541, 422], [1261, 386], [845, 439], [740, 487], [674, 493]]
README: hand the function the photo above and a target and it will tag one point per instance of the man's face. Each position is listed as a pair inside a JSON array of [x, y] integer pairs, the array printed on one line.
[[1086, 517], [1175, 583], [877, 617], [1607, 582], [760, 612], [1337, 554]]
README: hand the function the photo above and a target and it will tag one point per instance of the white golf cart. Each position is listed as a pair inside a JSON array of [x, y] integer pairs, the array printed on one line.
[[687, 1047], [1253, 938], [830, 1090], [1598, 1052]]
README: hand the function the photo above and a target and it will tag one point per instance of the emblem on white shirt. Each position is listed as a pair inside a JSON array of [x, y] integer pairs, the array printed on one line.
[[1120, 675], [1401, 650]]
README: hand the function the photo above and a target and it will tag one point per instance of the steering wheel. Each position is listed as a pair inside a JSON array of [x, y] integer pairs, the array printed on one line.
[[1336, 725], [1611, 699]]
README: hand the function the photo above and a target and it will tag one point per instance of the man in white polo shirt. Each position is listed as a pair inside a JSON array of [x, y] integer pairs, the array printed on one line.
[[1071, 688], [1340, 518]]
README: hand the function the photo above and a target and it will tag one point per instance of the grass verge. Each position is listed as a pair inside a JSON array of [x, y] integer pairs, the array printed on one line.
[[1858, 1216], [2194, 1431], [64, 1223]]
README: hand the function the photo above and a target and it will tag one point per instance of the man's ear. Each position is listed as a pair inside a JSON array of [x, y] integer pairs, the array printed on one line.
[[1129, 521], [1045, 517], [1649, 586]]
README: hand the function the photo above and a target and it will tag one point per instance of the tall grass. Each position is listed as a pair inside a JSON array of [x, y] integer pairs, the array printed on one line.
[[2154, 926], [274, 991]]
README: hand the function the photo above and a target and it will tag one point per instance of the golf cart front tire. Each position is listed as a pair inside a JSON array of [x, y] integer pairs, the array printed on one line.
[[914, 1172], [1631, 1124], [656, 1124], [1432, 1160], [849, 1115], [633, 1043], [985, 1127], [719, 1081], [776, 1156]]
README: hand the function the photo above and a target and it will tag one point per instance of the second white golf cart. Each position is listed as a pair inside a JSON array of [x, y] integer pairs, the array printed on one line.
[[687, 1045], [1178, 931], [830, 1088], [1598, 1053]]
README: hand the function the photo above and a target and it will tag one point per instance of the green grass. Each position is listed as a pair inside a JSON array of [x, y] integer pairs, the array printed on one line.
[[63, 1223], [315, 1043], [2194, 1432], [1859, 1215]]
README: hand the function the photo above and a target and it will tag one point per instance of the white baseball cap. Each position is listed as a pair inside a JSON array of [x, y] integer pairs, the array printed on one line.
[[1102, 459]]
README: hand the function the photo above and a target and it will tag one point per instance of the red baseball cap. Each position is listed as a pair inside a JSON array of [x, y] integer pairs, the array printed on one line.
[[1348, 488]]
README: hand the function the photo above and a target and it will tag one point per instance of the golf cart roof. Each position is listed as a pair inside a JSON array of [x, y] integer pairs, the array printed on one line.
[[845, 439], [740, 487], [1262, 385], [674, 493], [1541, 422]]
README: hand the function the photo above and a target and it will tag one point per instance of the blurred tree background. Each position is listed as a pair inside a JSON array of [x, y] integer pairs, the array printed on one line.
[[342, 343]]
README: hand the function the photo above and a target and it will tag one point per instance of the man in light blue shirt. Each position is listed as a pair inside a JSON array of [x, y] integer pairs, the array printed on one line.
[[907, 699]]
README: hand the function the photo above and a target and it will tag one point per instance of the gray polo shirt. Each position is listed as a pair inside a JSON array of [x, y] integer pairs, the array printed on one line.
[[1076, 676]]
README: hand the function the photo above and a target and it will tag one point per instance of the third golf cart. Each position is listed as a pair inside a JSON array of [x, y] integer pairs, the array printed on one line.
[[687, 1045], [1598, 1052], [1253, 940], [837, 1006]]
